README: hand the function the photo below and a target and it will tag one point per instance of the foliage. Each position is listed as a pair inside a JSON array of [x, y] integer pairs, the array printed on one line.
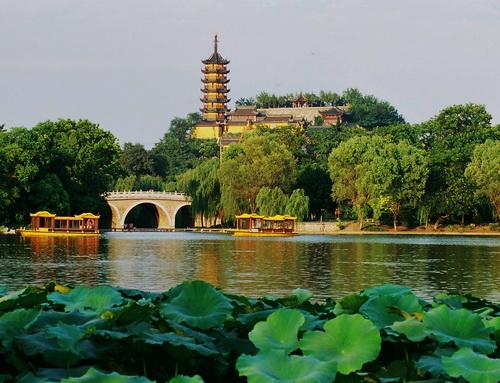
[[381, 334], [484, 171], [370, 112], [271, 201], [135, 159], [247, 167], [298, 205], [62, 164], [203, 186]]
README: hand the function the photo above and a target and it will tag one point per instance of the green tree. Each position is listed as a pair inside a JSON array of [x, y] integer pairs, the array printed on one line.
[[484, 171], [203, 186], [370, 112], [314, 179], [450, 140], [408, 173], [298, 205], [135, 159], [250, 165], [271, 201]]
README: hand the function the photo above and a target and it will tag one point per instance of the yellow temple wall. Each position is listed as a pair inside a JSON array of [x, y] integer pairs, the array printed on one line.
[[205, 132]]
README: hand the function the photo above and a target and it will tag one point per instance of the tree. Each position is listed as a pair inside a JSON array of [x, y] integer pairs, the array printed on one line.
[[358, 172], [245, 101], [135, 159], [202, 185], [314, 179], [450, 140], [247, 167], [180, 128], [298, 205], [370, 112], [408, 177], [271, 201], [484, 171]]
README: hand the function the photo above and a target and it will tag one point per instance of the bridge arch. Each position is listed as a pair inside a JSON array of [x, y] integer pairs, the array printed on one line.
[[167, 205], [164, 218]]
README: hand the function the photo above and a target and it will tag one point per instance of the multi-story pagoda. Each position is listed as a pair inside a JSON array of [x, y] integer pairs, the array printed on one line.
[[214, 96], [215, 86]]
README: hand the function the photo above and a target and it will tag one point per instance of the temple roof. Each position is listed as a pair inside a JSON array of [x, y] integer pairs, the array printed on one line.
[[332, 112], [216, 58]]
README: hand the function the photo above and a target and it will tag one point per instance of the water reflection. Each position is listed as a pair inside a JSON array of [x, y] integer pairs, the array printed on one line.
[[327, 265]]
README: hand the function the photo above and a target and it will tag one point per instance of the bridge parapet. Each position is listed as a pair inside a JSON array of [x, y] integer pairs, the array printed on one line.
[[146, 194]]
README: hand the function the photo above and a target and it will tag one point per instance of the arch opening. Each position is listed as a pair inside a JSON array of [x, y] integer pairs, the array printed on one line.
[[184, 217], [143, 216]]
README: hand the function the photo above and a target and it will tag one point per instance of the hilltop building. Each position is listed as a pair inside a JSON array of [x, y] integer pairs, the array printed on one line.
[[226, 126]]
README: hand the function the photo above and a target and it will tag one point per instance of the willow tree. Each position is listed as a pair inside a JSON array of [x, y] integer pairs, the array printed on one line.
[[202, 185], [247, 167], [484, 171]]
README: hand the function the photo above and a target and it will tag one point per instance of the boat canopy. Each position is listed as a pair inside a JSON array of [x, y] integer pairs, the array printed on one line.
[[246, 216], [42, 214]]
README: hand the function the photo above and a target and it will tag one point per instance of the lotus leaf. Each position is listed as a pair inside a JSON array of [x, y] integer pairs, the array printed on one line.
[[302, 295], [2, 291], [475, 368], [81, 298], [67, 336], [186, 379], [198, 304], [279, 331], [348, 340], [452, 300], [386, 290], [494, 324], [26, 298], [461, 327], [94, 376], [276, 367], [14, 323], [385, 310], [412, 328], [349, 304]]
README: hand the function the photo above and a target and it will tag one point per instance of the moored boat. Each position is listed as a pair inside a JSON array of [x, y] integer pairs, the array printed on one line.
[[45, 224], [255, 225]]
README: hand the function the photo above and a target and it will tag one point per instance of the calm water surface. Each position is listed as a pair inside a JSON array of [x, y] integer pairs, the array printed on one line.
[[326, 265]]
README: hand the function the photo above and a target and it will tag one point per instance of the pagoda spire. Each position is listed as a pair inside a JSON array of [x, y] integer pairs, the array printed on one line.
[[215, 43]]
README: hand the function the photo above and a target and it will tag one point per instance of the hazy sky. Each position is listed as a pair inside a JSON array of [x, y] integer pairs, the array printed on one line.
[[132, 65]]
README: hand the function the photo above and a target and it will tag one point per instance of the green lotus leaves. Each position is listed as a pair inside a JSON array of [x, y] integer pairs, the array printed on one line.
[[94, 376], [301, 295], [198, 304], [412, 328], [278, 332], [97, 299], [26, 298], [349, 304], [186, 379], [494, 324], [14, 323], [386, 290], [66, 336], [475, 368], [462, 327], [384, 310], [276, 367], [348, 340]]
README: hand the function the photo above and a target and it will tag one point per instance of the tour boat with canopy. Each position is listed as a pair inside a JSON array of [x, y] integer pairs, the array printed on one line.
[[255, 225], [44, 223]]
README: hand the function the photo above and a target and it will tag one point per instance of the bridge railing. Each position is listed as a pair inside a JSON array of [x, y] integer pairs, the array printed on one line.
[[146, 194]]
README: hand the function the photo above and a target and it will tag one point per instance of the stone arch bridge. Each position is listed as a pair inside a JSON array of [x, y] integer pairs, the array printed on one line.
[[167, 205]]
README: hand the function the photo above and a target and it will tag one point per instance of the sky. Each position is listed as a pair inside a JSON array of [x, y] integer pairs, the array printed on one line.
[[133, 65]]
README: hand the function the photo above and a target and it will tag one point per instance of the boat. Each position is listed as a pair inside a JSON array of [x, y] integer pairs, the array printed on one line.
[[45, 224], [255, 225]]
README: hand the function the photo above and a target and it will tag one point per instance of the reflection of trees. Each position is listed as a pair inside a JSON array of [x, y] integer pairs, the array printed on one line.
[[64, 259]]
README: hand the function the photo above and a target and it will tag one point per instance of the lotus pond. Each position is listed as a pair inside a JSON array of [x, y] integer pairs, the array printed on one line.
[[196, 333], [329, 266]]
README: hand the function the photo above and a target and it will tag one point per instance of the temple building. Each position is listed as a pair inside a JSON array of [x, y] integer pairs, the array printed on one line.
[[226, 126]]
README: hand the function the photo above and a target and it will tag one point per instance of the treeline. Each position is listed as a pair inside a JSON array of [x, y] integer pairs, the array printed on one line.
[[442, 170], [364, 110]]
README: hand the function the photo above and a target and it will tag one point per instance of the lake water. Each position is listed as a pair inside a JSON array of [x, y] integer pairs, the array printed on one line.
[[326, 265]]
